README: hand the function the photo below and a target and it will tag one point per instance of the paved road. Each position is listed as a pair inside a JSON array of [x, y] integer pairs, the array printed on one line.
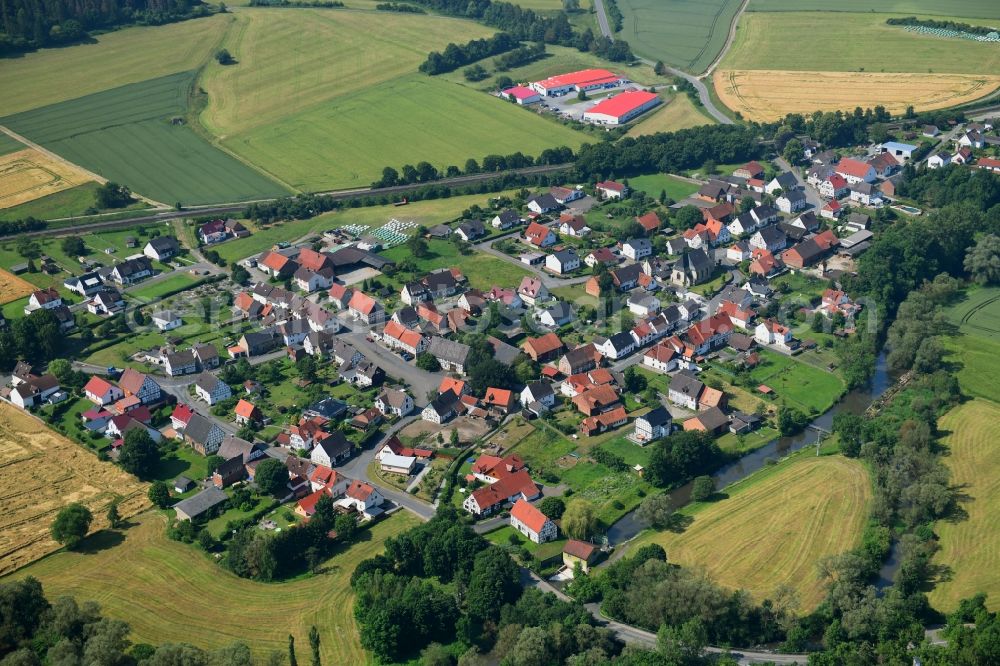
[[812, 196], [419, 381], [548, 279], [703, 96], [232, 208]]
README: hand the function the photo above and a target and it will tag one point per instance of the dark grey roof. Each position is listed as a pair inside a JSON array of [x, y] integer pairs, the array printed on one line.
[[164, 244], [560, 310], [621, 341], [503, 352], [713, 418], [509, 216], [199, 428], [335, 445], [449, 350], [695, 260], [685, 382], [671, 314], [864, 188], [627, 274], [565, 255], [790, 230], [764, 212], [794, 195], [232, 446], [328, 408], [545, 200], [714, 189], [639, 243], [207, 381], [202, 502], [786, 179], [445, 403], [133, 266], [657, 417], [406, 316], [441, 280], [540, 390], [772, 235], [472, 228]]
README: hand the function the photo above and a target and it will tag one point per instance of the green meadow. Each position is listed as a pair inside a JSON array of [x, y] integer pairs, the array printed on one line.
[[134, 135], [961, 8]]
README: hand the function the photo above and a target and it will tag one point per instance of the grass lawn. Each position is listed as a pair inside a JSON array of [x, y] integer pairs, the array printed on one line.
[[291, 61], [966, 8], [976, 347], [733, 443], [684, 34], [630, 451], [67, 203], [217, 526], [804, 288], [402, 121], [798, 384], [427, 213], [718, 281], [157, 289], [969, 544], [160, 588], [845, 45], [542, 551], [116, 58], [126, 134], [483, 271], [654, 183], [678, 113], [775, 526]]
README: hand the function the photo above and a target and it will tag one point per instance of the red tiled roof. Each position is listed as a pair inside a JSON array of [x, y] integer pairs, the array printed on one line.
[[308, 503], [182, 413], [580, 78], [520, 92], [274, 261], [405, 335], [650, 221], [852, 167], [362, 302], [98, 386], [580, 549], [611, 185], [360, 490], [545, 344], [457, 386], [246, 409], [502, 490], [529, 515], [621, 104], [536, 233]]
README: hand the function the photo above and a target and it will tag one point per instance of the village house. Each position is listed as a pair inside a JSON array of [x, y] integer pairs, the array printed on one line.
[[43, 299], [450, 354], [543, 203], [855, 171], [331, 449], [532, 523], [610, 189], [506, 219], [204, 435], [131, 271], [582, 358], [637, 248], [142, 386], [442, 408], [573, 225], [397, 336], [538, 392], [598, 423], [246, 413], [557, 314], [652, 425], [770, 332], [791, 201], [539, 235], [563, 261], [162, 248], [661, 358], [166, 320], [211, 389], [543, 348], [394, 402], [712, 421], [596, 400], [866, 194], [363, 497], [470, 230], [616, 347], [685, 389], [105, 302], [102, 392], [579, 552]]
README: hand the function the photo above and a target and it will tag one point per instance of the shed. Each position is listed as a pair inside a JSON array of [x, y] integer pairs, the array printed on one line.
[[195, 506]]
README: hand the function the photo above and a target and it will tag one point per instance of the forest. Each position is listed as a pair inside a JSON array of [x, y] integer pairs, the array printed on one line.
[[33, 24]]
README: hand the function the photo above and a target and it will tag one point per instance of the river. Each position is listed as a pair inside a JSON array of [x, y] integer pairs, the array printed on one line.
[[854, 402]]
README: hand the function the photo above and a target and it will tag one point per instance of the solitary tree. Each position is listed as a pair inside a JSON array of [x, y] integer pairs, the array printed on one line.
[[314, 644], [271, 477], [579, 520], [114, 518], [224, 57], [159, 495], [139, 454], [702, 488], [656, 510], [71, 524]]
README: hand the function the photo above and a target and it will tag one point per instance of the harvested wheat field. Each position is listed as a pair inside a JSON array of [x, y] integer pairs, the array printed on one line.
[[970, 542], [775, 527], [13, 287], [40, 472], [771, 94], [28, 174]]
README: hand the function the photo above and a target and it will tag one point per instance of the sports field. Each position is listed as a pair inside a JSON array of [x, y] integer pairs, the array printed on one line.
[[172, 592], [766, 95], [678, 113], [12, 287], [775, 527], [845, 66], [41, 471], [28, 175], [962, 8], [687, 34], [970, 545], [133, 135], [115, 59]]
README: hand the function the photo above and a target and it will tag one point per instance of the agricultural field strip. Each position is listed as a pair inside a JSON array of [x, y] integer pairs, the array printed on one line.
[[61, 472], [28, 175], [775, 527], [160, 588], [986, 9], [127, 135]]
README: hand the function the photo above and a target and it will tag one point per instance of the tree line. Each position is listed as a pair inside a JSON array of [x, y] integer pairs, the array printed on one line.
[[32, 24], [941, 25], [14, 227], [425, 172], [455, 56]]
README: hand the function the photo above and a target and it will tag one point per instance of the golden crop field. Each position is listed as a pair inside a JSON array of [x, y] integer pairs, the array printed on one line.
[[40, 472], [970, 545], [13, 287], [172, 592], [776, 527], [770, 94], [28, 174]]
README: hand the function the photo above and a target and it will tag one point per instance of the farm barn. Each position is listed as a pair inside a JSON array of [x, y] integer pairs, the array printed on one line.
[[621, 108]]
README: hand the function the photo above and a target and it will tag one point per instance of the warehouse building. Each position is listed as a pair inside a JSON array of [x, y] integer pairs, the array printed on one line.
[[521, 95], [585, 80], [621, 108]]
